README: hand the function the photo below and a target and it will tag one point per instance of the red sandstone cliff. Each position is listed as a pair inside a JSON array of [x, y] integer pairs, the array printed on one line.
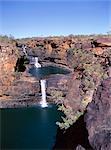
[[89, 59]]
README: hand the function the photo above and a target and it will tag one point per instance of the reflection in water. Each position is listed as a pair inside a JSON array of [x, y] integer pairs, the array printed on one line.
[[44, 116]]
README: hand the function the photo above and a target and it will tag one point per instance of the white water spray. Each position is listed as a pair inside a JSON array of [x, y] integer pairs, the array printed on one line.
[[37, 63], [43, 90], [24, 49], [43, 86]]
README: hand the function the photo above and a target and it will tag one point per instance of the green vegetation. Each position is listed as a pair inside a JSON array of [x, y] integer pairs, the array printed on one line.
[[70, 118], [56, 95], [91, 72], [11, 42], [91, 69], [8, 39]]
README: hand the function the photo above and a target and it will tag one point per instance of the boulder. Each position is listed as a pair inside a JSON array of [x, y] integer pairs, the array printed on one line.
[[98, 50], [103, 42]]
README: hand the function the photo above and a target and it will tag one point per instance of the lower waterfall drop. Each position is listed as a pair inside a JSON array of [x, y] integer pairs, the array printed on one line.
[[43, 91]]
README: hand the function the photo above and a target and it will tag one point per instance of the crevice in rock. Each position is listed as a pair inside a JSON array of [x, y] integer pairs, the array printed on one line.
[[50, 59], [95, 43], [54, 45]]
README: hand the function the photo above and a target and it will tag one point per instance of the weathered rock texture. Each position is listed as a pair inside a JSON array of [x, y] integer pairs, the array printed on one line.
[[98, 117], [56, 49], [88, 56], [13, 85], [89, 59], [8, 58], [57, 87]]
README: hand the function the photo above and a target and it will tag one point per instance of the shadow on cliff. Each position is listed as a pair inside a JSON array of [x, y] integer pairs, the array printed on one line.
[[72, 137], [20, 64]]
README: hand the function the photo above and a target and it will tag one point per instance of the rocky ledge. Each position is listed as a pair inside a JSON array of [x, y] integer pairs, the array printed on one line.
[[88, 58]]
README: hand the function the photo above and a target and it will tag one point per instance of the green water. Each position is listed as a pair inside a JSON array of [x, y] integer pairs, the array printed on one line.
[[46, 71], [29, 128]]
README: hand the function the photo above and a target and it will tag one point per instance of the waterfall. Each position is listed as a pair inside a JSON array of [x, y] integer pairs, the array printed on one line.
[[37, 63], [43, 90], [43, 86], [24, 49]]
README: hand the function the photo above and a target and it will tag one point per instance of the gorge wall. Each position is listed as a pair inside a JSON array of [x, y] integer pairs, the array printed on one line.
[[89, 60], [14, 85], [98, 117]]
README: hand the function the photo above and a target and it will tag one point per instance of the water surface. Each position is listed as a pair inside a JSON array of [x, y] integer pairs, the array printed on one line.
[[46, 71], [29, 128]]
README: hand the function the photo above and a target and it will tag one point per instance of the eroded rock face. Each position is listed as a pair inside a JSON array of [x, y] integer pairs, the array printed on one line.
[[98, 117], [24, 91], [59, 50], [13, 84], [86, 56], [24, 86], [57, 88], [50, 49], [90, 61], [8, 58], [73, 97], [103, 42]]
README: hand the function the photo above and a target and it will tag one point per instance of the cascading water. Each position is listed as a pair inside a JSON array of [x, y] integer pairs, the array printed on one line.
[[43, 90], [37, 63], [24, 49], [43, 86]]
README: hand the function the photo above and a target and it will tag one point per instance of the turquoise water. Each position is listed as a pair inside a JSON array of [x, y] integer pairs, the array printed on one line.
[[46, 71], [29, 128]]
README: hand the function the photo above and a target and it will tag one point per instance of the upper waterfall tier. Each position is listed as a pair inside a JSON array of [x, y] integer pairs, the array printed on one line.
[[37, 64]]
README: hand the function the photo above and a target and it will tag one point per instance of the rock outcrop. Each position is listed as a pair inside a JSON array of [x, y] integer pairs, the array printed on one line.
[[14, 85], [87, 57], [57, 87], [55, 49], [98, 117], [8, 58]]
